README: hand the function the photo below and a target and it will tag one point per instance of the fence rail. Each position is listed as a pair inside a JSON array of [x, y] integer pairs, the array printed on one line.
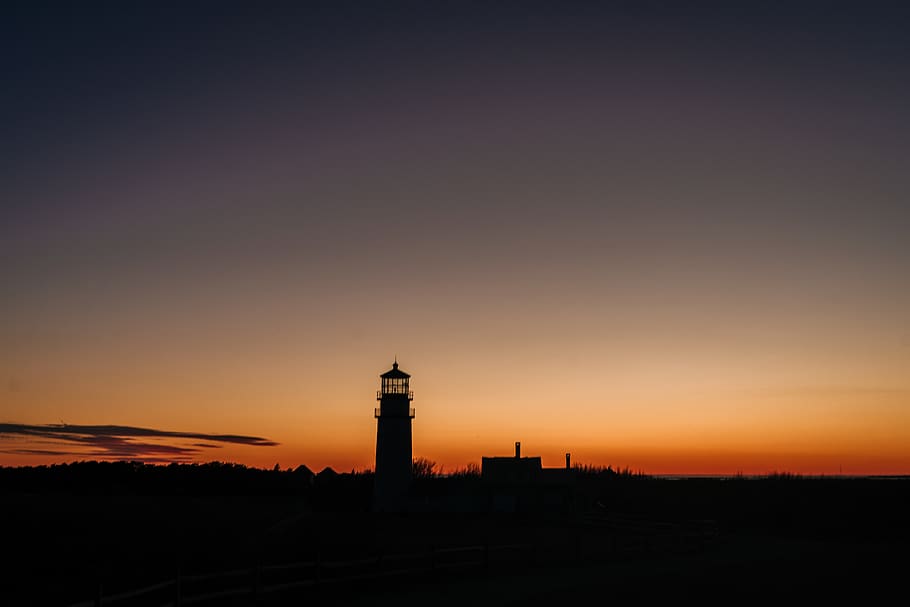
[[610, 537]]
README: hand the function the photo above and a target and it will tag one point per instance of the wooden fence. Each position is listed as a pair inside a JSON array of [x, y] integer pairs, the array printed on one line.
[[597, 539]]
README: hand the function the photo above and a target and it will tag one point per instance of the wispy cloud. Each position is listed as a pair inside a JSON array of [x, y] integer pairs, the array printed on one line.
[[115, 442]]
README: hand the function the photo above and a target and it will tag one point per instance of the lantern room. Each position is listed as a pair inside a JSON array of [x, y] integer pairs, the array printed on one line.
[[395, 382]]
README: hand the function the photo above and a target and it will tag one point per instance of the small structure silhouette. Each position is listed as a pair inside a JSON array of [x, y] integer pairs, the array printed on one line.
[[393, 441], [520, 470], [522, 484]]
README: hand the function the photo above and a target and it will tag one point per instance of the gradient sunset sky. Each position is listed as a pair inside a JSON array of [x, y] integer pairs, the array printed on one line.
[[671, 236]]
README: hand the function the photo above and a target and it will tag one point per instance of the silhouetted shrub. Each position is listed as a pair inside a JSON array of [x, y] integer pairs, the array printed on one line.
[[424, 468]]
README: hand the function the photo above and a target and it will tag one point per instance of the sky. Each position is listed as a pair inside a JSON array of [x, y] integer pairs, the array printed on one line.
[[664, 236]]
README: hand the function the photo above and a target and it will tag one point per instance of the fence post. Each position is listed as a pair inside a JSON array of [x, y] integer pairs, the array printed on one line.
[[256, 581], [486, 556], [318, 566], [178, 600], [99, 596]]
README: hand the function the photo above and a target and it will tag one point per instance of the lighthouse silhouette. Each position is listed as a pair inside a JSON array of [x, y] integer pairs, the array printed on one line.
[[393, 441]]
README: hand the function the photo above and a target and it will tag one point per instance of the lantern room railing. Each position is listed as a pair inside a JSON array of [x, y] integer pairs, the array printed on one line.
[[381, 393], [377, 412]]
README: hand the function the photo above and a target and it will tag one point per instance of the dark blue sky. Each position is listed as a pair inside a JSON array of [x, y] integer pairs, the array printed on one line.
[[72, 69]]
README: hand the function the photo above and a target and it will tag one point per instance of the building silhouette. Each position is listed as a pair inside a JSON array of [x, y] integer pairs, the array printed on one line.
[[522, 484], [520, 470], [393, 441]]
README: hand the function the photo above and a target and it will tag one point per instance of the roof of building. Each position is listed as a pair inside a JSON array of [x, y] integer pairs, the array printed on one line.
[[394, 373]]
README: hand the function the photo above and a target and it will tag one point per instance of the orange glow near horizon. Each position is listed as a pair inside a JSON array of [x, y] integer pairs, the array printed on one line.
[[689, 390], [326, 420]]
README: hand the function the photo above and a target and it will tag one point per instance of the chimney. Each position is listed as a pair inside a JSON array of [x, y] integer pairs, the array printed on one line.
[[517, 449], [568, 461]]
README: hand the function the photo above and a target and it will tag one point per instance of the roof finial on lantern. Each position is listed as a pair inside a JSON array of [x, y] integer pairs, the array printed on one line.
[[395, 364]]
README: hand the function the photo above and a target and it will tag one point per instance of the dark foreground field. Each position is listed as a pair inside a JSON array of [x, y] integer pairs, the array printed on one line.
[[736, 570], [623, 539]]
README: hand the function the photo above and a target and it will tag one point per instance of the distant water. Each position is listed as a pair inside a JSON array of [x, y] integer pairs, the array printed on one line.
[[726, 477]]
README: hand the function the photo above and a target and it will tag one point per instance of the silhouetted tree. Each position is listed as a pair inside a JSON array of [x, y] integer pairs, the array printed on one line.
[[424, 468], [472, 470]]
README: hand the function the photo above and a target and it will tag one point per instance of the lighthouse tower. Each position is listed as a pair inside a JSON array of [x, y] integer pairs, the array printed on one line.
[[393, 441]]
